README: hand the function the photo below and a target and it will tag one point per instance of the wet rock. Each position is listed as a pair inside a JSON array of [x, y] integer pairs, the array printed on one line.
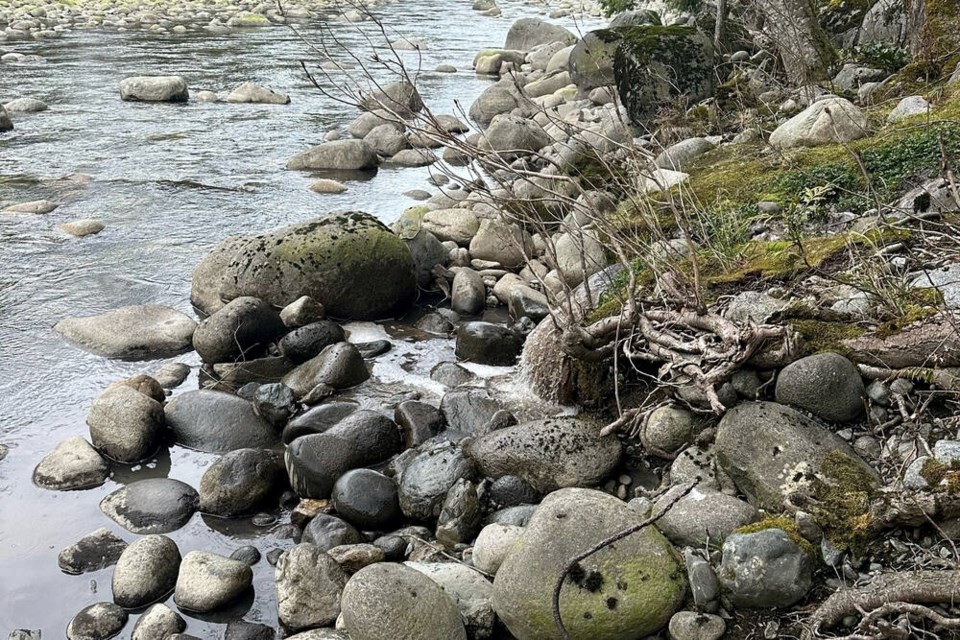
[[93, 552], [631, 591], [386, 139], [470, 591], [826, 384], [518, 516], [233, 376], [527, 302], [427, 479], [315, 462], [245, 326], [831, 120], [308, 341], [459, 517], [301, 312], [216, 422], [243, 630], [670, 429], [144, 384], [319, 634], [326, 532], [373, 349], [764, 447], [125, 424], [81, 228], [701, 515], [353, 557], [336, 155], [548, 454], [527, 33], [510, 491], [25, 634], [309, 586], [688, 625], [73, 464], [155, 505], [275, 403], [154, 89], [317, 420], [249, 555], [488, 343], [451, 374], [427, 252], [97, 622], [468, 294], [385, 601], [241, 482], [468, 410], [209, 581], [248, 92], [137, 332], [399, 97], [765, 569], [159, 621], [418, 422], [172, 374], [35, 207], [367, 499], [6, 124], [146, 572], [455, 225], [492, 546], [326, 185]]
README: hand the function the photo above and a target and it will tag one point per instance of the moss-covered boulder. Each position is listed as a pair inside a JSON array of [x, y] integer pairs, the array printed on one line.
[[655, 65], [591, 61], [629, 590], [350, 263]]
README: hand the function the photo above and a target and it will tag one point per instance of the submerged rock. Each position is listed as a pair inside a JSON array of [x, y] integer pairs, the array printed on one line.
[[336, 155], [154, 89], [249, 92], [92, 552], [97, 622], [81, 228], [136, 332]]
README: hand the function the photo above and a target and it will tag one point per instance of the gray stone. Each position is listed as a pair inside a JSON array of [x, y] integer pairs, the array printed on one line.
[[97, 622], [488, 343], [6, 124], [826, 384], [526, 302], [125, 424], [367, 499], [499, 98], [25, 105], [527, 33], [946, 280], [688, 625], [386, 139], [243, 630], [136, 333], [92, 552], [679, 155], [468, 410], [510, 491], [451, 374], [309, 586], [468, 294], [366, 122], [336, 155], [154, 89], [670, 429], [704, 585], [885, 22], [248, 92], [754, 305], [241, 482], [853, 76], [209, 581], [827, 121], [353, 557], [81, 228], [458, 225], [470, 591], [216, 422], [549, 454], [418, 422], [326, 532], [73, 464], [245, 326], [317, 420], [492, 546], [301, 312], [702, 515], [501, 242], [429, 476], [34, 207], [339, 365], [154, 505], [509, 136], [146, 572], [765, 569], [389, 601], [427, 252], [579, 255], [909, 107], [308, 341], [248, 554], [399, 97], [459, 517]]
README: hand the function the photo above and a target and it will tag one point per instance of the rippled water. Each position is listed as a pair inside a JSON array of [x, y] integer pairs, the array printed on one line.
[[169, 182]]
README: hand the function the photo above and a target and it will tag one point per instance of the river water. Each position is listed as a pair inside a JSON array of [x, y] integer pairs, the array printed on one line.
[[169, 182]]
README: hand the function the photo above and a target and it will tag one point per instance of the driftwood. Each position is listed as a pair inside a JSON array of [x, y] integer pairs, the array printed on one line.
[[931, 343], [899, 508]]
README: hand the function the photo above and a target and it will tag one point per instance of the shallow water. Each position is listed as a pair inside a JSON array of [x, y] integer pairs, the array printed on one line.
[[169, 182]]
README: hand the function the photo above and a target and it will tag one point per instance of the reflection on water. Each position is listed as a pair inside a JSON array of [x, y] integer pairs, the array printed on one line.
[[168, 181]]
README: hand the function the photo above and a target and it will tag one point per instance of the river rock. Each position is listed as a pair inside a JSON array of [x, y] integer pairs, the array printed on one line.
[[326, 185], [629, 591], [208, 275], [413, 158], [309, 586], [688, 625], [399, 97], [457, 225], [240, 482], [510, 491], [146, 572], [339, 365], [366, 122], [217, 422], [459, 517], [386, 140], [73, 464], [34, 207], [470, 591], [353, 557], [677, 156], [154, 89], [366, 498], [154, 505], [325, 532], [502, 97], [275, 402], [97, 622], [468, 294], [92, 552], [6, 124], [158, 622], [315, 462], [762, 446], [495, 542], [488, 343], [136, 333], [81, 228], [249, 92], [468, 410], [336, 155], [429, 476], [245, 326], [509, 135], [527, 33], [418, 422], [670, 428], [390, 601], [827, 121], [350, 263], [549, 454], [209, 581], [317, 420], [427, 252], [765, 569], [826, 384], [590, 61], [125, 425], [26, 105], [301, 312], [579, 255], [319, 634], [501, 242], [702, 515], [308, 341]]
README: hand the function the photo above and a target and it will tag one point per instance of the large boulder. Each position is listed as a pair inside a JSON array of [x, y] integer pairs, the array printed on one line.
[[388, 601], [154, 89], [527, 33], [217, 422], [629, 590], [350, 263], [336, 155], [766, 447], [135, 333], [885, 22], [827, 385], [502, 97], [549, 454], [205, 282], [309, 585], [502, 242], [240, 482], [827, 121], [656, 65], [591, 59], [241, 329]]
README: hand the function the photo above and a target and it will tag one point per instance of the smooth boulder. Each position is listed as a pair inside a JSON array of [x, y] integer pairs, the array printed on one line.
[[488, 343], [527, 33], [125, 425], [366, 498], [72, 465], [240, 482], [241, 329], [136, 333], [336, 155], [154, 89], [252, 93], [827, 385], [146, 572], [154, 505], [827, 121], [309, 586], [209, 581], [339, 366], [97, 622]]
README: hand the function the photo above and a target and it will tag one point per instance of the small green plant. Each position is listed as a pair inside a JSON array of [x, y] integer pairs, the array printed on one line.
[[878, 55]]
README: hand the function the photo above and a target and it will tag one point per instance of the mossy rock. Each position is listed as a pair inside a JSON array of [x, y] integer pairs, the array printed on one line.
[[249, 20], [350, 263], [655, 65], [628, 590], [591, 61]]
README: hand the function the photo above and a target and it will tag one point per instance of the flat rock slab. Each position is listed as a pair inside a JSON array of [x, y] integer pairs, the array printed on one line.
[[92, 552], [157, 505], [132, 333]]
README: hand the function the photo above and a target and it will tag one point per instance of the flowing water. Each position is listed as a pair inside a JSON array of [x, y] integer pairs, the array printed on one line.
[[169, 182]]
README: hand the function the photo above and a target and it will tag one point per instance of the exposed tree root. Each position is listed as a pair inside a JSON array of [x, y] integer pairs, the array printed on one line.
[[930, 343]]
